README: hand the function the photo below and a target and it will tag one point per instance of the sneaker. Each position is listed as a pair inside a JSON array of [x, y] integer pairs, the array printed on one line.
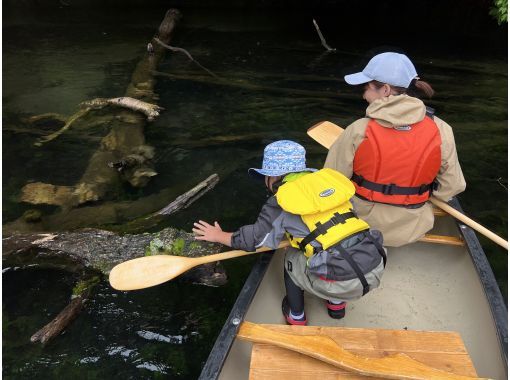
[[336, 311], [288, 318]]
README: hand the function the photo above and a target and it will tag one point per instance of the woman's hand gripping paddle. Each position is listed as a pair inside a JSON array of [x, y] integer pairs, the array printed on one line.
[[148, 271], [326, 133]]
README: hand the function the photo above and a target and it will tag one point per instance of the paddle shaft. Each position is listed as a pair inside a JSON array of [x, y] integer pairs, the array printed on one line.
[[325, 133], [470, 222], [233, 254]]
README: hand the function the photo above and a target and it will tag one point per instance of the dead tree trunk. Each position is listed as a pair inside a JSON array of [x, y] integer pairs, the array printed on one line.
[[100, 250], [126, 132], [122, 139]]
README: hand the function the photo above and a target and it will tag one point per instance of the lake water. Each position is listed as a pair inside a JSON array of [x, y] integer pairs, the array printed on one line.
[[281, 83]]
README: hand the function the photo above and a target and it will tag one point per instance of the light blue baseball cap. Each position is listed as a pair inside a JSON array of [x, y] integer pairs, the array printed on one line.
[[392, 68], [282, 157]]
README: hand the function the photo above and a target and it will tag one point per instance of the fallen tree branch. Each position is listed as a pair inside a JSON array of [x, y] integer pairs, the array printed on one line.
[[323, 40], [81, 294], [150, 110], [44, 139], [181, 50], [181, 202], [60, 322], [256, 87], [44, 117], [184, 200]]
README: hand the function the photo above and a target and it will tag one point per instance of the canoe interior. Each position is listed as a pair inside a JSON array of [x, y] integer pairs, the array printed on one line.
[[425, 287]]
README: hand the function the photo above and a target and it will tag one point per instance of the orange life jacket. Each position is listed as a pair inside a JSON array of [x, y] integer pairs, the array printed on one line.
[[398, 165]]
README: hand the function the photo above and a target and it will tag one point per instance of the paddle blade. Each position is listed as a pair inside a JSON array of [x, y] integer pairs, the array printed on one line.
[[148, 271], [325, 133]]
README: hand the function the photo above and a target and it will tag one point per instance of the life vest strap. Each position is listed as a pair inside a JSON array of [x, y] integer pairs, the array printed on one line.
[[355, 267], [322, 228], [392, 189], [379, 247]]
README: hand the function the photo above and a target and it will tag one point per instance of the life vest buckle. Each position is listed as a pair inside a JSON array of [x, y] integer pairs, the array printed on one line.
[[338, 218], [388, 189], [424, 188]]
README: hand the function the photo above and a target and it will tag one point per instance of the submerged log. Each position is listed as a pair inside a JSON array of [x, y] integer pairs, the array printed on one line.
[[99, 179], [109, 213]]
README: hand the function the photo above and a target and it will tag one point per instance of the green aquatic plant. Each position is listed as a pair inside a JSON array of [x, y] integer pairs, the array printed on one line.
[[83, 285], [177, 247], [158, 247], [500, 11]]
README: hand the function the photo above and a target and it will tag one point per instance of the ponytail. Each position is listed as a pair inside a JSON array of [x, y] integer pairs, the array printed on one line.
[[421, 86], [416, 87]]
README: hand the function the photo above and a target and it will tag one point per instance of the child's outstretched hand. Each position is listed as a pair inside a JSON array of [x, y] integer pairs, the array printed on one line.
[[204, 231]]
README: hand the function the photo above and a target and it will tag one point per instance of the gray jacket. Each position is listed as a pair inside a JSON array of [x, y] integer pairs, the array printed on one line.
[[272, 224]]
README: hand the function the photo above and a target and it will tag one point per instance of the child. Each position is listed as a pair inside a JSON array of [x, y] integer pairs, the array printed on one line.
[[334, 255]]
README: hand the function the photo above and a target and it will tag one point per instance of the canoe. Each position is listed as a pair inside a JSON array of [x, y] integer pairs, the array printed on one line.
[[425, 287]]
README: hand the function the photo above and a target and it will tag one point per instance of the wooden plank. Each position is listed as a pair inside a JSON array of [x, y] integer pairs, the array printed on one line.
[[440, 239], [439, 212], [274, 359], [441, 350]]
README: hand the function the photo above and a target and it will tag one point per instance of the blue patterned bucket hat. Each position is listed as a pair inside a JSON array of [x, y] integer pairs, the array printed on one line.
[[282, 157]]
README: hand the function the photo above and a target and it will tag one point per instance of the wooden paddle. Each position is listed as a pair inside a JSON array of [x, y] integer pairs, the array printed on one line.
[[397, 366], [147, 271], [326, 133]]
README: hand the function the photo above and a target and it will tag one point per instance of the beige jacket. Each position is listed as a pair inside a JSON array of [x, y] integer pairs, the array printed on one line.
[[399, 225]]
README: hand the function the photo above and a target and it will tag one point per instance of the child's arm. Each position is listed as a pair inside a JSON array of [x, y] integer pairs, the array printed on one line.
[[214, 234]]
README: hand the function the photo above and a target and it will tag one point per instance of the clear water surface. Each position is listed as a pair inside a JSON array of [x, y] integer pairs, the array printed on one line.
[[54, 60]]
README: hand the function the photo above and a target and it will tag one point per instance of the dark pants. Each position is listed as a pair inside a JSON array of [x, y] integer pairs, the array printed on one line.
[[295, 295]]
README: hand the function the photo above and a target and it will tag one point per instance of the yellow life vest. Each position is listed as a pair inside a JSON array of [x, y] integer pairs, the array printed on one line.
[[322, 200]]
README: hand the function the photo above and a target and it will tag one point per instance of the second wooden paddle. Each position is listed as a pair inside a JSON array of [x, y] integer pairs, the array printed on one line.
[[397, 366]]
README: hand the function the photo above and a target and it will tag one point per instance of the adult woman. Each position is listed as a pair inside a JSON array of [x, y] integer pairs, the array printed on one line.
[[399, 154]]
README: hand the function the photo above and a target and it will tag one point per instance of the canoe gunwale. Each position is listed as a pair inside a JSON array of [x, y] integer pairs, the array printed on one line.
[[228, 333], [488, 280]]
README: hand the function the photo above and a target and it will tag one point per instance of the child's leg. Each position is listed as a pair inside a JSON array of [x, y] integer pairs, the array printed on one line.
[[295, 295]]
